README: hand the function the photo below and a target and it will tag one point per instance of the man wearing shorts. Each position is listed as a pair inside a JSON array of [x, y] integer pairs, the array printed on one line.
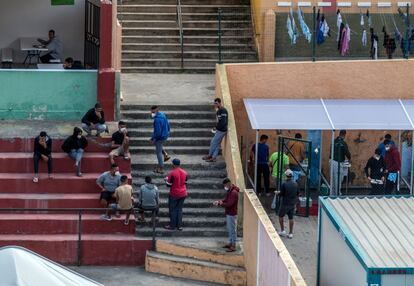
[[120, 143], [124, 200], [289, 193], [108, 182]]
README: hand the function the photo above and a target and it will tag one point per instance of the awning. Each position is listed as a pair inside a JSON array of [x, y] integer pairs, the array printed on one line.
[[330, 114]]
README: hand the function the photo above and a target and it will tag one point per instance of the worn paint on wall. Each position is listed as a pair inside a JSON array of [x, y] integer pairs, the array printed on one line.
[[46, 95], [335, 79]]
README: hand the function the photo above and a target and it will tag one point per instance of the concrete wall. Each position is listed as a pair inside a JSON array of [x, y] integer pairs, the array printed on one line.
[[267, 260], [52, 95], [340, 79], [34, 18]]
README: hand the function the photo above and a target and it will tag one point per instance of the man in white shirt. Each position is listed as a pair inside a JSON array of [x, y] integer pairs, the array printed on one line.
[[54, 46]]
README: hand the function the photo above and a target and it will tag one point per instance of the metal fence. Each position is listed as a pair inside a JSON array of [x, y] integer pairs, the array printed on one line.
[[388, 26]]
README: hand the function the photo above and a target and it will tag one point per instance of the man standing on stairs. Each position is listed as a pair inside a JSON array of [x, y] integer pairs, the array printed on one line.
[[42, 151], [230, 208], [159, 136], [219, 131], [177, 181]]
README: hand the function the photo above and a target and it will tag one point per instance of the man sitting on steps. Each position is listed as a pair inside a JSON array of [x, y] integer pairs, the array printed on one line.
[[108, 182], [42, 151], [120, 143], [124, 199], [94, 119]]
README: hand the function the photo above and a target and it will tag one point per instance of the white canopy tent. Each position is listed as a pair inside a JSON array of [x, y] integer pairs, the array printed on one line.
[[330, 114], [22, 267]]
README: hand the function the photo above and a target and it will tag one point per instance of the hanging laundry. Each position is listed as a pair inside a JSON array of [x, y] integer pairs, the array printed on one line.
[[368, 18], [389, 43], [397, 32], [318, 23], [291, 27], [323, 30], [364, 38], [346, 39], [362, 20], [374, 45], [340, 36], [305, 29], [338, 25]]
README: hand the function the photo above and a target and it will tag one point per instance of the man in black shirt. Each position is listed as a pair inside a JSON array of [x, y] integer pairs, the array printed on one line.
[[219, 131], [94, 119], [338, 162], [375, 172], [120, 143], [289, 193], [75, 146], [42, 151]]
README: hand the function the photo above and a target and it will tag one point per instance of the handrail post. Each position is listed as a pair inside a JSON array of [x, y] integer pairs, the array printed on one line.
[[153, 230], [181, 32], [219, 14], [79, 238]]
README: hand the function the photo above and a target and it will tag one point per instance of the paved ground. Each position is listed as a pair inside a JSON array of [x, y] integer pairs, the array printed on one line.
[[168, 88], [302, 247], [132, 276]]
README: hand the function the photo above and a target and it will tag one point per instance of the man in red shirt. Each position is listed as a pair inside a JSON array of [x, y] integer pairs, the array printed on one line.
[[392, 167], [230, 209], [177, 181]]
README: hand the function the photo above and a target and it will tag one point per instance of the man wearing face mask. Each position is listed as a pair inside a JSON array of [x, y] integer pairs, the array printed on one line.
[[374, 170], [159, 136], [74, 146], [120, 143], [230, 209], [392, 167]]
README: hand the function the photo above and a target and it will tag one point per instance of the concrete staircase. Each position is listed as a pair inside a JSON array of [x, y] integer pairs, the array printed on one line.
[[55, 234], [198, 259], [189, 141], [151, 35]]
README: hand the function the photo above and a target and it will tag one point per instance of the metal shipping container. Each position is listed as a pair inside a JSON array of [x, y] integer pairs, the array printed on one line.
[[366, 241]]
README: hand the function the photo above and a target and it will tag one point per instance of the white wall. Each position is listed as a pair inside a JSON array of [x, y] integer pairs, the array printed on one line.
[[34, 18], [338, 264]]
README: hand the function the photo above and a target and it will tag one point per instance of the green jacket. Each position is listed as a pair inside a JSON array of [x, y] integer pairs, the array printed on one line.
[[341, 150]]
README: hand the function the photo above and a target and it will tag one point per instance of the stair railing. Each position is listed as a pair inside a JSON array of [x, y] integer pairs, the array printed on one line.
[[220, 34], [180, 27]]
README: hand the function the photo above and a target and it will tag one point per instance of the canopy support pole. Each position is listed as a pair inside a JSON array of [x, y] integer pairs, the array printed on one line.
[[399, 173], [255, 161], [331, 181], [412, 165]]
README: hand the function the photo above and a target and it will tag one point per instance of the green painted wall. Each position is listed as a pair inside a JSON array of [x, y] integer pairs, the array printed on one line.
[[46, 95]]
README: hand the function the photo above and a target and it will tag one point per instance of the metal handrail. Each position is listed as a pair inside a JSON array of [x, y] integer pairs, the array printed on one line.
[[80, 211], [180, 27]]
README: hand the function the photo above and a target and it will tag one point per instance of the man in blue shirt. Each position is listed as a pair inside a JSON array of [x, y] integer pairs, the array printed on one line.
[[159, 136], [381, 146], [262, 164]]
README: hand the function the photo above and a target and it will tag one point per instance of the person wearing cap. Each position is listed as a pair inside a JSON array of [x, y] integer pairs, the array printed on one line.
[[177, 181], [392, 167], [289, 193], [230, 209], [159, 136], [42, 151], [340, 155], [120, 143], [219, 131]]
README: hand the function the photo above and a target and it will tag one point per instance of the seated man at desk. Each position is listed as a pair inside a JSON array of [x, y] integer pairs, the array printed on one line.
[[54, 46]]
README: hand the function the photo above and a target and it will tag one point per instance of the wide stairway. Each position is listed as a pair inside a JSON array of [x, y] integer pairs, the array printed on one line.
[[55, 234], [189, 141], [153, 31]]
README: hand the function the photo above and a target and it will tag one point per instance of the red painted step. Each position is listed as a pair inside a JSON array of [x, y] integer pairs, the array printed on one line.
[[13, 200], [62, 224], [13, 162], [97, 249], [26, 144], [61, 183]]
